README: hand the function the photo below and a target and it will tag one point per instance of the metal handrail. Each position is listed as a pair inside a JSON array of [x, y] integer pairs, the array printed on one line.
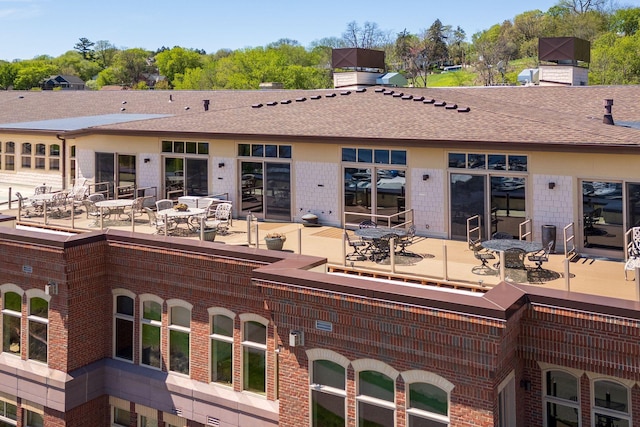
[[377, 217], [473, 228], [527, 233], [569, 237]]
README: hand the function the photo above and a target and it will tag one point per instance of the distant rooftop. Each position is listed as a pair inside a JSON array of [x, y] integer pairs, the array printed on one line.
[[77, 123]]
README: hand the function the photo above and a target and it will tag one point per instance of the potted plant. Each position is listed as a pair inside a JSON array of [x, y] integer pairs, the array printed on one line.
[[181, 207], [275, 241]]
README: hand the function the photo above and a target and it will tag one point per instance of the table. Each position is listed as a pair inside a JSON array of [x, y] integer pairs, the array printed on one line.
[[379, 249], [181, 216], [115, 206], [501, 245]]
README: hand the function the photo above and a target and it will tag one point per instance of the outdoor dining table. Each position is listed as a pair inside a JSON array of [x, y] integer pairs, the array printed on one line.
[[373, 234], [501, 245], [115, 206], [181, 216]]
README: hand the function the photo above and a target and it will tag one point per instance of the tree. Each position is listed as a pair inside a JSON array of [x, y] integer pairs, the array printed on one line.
[[8, 74], [435, 42], [492, 47], [84, 46], [368, 37], [131, 65], [177, 61], [32, 73], [625, 21], [582, 6], [104, 53]]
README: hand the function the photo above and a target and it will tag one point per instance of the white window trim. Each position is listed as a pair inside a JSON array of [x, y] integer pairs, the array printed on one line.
[[37, 293], [250, 317], [172, 303], [552, 399], [117, 293], [606, 411], [417, 376], [155, 323], [219, 311]]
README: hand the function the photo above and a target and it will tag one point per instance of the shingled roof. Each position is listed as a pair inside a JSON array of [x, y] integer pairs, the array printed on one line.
[[533, 116]]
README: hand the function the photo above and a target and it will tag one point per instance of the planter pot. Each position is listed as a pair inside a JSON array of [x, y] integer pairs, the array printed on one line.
[[310, 220], [274, 243], [208, 235]]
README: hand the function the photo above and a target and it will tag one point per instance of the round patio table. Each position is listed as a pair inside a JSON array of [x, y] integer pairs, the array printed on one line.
[[114, 206], [181, 216], [378, 232]]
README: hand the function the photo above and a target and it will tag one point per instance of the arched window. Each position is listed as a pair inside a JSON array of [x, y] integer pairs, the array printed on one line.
[[9, 159], [150, 331], [38, 327], [427, 399], [179, 336], [11, 322], [123, 325], [254, 353], [375, 393], [221, 336], [26, 154], [611, 404], [328, 378], [41, 152], [562, 405], [54, 157]]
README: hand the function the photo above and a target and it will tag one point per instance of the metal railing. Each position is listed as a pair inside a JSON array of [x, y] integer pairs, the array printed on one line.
[[525, 230], [391, 221]]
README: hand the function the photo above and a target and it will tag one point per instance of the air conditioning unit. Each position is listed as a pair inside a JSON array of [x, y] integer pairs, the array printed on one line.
[[296, 338]]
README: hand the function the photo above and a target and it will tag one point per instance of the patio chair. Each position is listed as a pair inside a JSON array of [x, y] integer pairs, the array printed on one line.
[[136, 208], [501, 235], [42, 189], [163, 204], [58, 204], [633, 252], [381, 248], [359, 247], [483, 255], [159, 223], [514, 258], [96, 197], [541, 256], [93, 211], [218, 217], [22, 203], [367, 223], [407, 240]]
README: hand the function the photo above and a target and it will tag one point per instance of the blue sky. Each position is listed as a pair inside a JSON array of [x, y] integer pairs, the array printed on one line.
[[46, 27]]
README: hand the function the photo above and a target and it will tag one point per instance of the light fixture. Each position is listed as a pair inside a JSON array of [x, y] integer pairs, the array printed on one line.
[[525, 384], [221, 165], [552, 185], [425, 177], [51, 288], [147, 160]]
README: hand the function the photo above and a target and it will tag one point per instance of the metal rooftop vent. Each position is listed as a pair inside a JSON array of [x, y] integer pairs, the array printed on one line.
[[187, 108], [398, 95], [440, 104], [301, 99], [389, 92], [272, 103], [380, 90], [122, 108], [451, 106], [346, 92], [256, 106], [361, 89], [316, 97], [419, 99], [285, 101], [330, 95], [124, 102], [407, 97], [429, 101], [464, 110]]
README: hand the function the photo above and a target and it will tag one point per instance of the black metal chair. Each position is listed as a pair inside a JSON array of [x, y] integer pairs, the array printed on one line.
[[359, 247], [407, 240], [367, 223], [382, 247], [514, 258], [484, 256], [541, 256]]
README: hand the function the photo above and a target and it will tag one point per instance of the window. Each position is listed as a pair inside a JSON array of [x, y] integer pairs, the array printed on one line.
[[150, 333], [328, 393], [121, 417], [375, 399], [147, 422], [54, 157], [378, 156], [254, 353], [562, 406], [512, 162], [11, 322], [8, 413], [179, 333], [123, 345], [264, 150], [188, 147], [34, 419], [72, 163], [26, 155], [222, 348], [38, 320], [611, 406], [427, 405]]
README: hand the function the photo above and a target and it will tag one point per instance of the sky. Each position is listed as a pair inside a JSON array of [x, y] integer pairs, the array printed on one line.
[[29, 28]]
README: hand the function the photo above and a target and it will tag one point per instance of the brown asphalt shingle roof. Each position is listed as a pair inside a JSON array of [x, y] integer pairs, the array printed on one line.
[[565, 116]]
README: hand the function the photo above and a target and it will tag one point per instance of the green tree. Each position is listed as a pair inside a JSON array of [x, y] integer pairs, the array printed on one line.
[[177, 61], [32, 73], [85, 47], [8, 74], [131, 65], [72, 63], [625, 21], [105, 53]]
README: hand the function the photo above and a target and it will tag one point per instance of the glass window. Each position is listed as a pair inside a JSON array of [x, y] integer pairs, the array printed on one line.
[[40, 163], [8, 414], [26, 148], [327, 394], [365, 155], [11, 320], [457, 160], [244, 150], [26, 162], [561, 399], [151, 327], [427, 405], [203, 148], [167, 146], [9, 163], [38, 328], [376, 397], [348, 154], [148, 422], [54, 150], [257, 150], [121, 417], [221, 349], [179, 334], [477, 161], [124, 327], [284, 151], [178, 146], [190, 148], [271, 150], [382, 156], [10, 147], [398, 157], [254, 347], [34, 419], [497, 162], [54, 164], [517, 163], [41, 150], [73, 151], [611, 404]]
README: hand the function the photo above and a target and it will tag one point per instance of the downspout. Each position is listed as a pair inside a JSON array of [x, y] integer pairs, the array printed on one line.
[[63, 167]]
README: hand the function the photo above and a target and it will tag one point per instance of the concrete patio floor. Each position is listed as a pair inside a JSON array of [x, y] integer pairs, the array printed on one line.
[[426, 266]]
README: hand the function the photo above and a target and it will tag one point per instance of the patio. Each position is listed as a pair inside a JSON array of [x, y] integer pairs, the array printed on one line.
[[428, 261]]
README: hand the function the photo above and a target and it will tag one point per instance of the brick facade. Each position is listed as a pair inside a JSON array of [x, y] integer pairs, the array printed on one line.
[[475, 343]]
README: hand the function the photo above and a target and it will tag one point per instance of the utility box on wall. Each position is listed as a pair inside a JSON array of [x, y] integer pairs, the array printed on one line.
[[296, 338]]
